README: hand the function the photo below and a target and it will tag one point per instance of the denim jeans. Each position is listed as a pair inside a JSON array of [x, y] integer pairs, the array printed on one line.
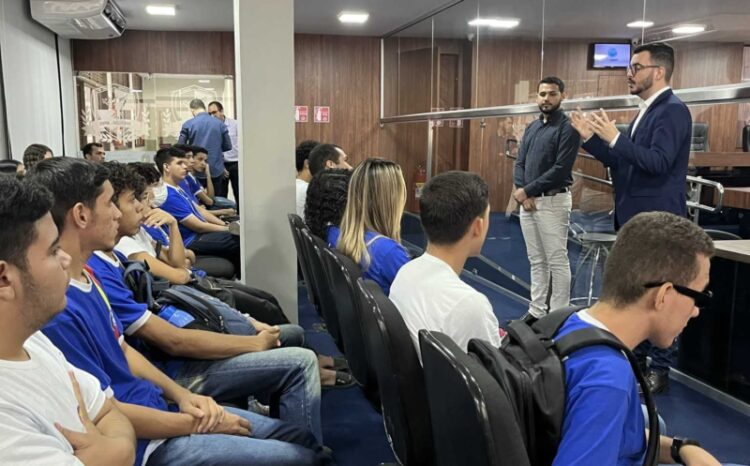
[[273, 443], [220, 244], [661, 359], [545, 231], [287, 379]]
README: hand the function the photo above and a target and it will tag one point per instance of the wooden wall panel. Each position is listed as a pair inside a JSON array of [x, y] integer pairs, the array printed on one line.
[[158, 52]]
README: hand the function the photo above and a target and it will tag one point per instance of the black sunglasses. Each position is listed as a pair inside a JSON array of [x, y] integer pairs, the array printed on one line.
[[701, 298]]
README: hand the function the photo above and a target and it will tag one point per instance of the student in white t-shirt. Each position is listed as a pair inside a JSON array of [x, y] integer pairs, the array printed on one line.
[[302, 154], [40, 392], [455, 215]]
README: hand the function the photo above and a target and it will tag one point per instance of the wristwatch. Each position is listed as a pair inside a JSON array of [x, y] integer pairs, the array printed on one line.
[[677, 444]]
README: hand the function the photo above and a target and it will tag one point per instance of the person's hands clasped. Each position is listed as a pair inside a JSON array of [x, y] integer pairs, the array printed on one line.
[[233, 424], [203, 408], [603, 126], [529, 204]]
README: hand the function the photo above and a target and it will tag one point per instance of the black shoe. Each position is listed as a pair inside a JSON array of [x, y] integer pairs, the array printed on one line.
[[657, 382]]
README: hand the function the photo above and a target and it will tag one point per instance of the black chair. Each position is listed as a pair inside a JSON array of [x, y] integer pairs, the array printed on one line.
[[297, 225], [400, 377], [472, 419], [699, 141], [342, 276], [314, 248], [721, 235]]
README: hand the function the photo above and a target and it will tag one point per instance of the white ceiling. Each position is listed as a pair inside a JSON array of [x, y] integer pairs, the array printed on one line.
[[562, 18]]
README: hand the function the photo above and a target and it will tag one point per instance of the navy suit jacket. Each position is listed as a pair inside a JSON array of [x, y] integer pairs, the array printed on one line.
[[649, 168]]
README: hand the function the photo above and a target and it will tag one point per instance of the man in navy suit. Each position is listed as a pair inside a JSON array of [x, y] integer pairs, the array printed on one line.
[[649, 163]]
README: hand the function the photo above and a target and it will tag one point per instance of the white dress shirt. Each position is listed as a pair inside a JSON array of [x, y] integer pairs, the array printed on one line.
[[644, 107], [232, 155]]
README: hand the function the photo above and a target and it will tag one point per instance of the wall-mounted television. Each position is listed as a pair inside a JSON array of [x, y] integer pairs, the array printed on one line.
[[610, 55]]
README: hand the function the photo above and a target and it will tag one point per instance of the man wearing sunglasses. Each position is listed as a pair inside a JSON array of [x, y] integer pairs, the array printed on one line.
[[648, 163], [654, 283]]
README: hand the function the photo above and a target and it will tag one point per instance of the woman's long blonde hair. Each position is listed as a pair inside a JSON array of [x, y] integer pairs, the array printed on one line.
[[376, 199]]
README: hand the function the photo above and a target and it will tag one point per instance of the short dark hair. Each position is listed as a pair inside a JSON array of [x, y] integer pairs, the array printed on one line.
[[552, 80], [70, 181], [185, 148], [124, 178], [196, 104], [321, 154], [653, 247], [662, 54], [9, 167], [326, 200], [34, 154], [449, 203], [89, 148], [303, 152], [22, 203], [198, 150], [165, 156], [218, 105], [147, 171]]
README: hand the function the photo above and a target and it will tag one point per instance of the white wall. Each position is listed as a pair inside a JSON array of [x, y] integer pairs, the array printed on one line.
[[31, 85]]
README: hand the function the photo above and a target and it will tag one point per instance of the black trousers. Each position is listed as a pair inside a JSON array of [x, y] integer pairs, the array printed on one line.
[[234, 178]]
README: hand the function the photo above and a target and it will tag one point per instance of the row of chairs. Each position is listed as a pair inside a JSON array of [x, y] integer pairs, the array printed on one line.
[[445, 414]]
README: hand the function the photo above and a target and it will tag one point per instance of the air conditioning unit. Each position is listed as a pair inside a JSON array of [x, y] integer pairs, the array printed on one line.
[[80, 19]]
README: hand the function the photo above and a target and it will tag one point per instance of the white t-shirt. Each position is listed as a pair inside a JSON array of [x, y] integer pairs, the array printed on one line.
[[301, 197], [430, 296], [34, 395], [140, 242]]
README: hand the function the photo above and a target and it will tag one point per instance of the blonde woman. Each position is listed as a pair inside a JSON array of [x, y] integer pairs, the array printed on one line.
[[370, 232]]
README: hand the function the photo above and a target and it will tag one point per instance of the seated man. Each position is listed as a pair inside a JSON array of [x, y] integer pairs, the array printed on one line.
[[201, 231], [161, 233], [34, 154], [302, 154], [219, 206], [33, 279], [327, 156], [654, 281], [93, 151], [91, 336], [455, 215]]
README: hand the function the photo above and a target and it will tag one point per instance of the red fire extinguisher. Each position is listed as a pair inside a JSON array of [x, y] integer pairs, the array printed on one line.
[[420, 178]]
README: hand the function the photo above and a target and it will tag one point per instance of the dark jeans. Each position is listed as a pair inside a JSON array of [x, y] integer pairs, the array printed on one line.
[[661, 359], [220, 244], [220, 187], [234, 177]]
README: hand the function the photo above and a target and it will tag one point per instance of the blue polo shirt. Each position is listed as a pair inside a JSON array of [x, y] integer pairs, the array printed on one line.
[[180, 204], [191, 186], [212, 134], [603, 421], [131, 314], [157, 234], [386, 257], [90, 335]]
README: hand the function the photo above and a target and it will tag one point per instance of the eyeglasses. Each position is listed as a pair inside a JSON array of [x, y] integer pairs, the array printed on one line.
[[214, 112], [701, 298], [635, 68]]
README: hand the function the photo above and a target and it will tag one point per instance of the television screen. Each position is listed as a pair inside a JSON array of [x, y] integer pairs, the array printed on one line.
[[610, 56]]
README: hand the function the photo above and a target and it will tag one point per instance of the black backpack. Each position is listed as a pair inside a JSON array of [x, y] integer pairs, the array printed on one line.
[[529, 368]]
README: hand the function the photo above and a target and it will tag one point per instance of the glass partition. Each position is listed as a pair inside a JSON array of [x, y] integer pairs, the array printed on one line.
[[134, 114]]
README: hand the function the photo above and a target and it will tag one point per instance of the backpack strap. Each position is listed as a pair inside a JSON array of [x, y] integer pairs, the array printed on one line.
[[594, 336], [550, 324]]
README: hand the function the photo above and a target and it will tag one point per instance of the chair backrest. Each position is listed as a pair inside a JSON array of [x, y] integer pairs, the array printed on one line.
[[321, 285], [719, 235], [343, 273], [400, 377], [699, 141], [297, 225], [472, 419]]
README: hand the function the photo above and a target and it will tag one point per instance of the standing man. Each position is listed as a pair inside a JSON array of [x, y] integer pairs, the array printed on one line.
[[648, 164], [542, 176], [205, 131], [232, 156]]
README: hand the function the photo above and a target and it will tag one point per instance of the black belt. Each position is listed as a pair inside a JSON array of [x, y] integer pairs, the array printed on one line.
[[553, 192]]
